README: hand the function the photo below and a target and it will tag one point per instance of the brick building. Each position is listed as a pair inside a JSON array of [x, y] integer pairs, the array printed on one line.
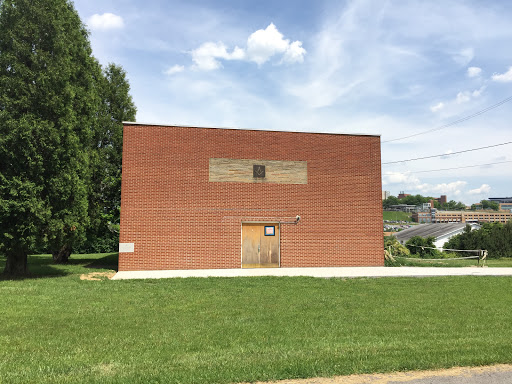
[[442, 199], [204, 198], [422, 217], [436, 216]]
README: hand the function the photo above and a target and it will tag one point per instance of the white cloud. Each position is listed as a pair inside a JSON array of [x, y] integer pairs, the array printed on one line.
[[400, 178], [474, 71], [265, 43], [446, 188], [437, 107], [463, 97], [205, 57], [174, 69], [408, 181], [105, 21], [294, 53], [261, 46], [484, 189], [504, 77]]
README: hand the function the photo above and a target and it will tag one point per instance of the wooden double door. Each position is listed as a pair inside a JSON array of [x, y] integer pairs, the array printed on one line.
[[260, 245]]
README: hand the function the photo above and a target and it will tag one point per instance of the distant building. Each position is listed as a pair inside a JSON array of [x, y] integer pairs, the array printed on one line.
[[437, 216], [385, 195], [425, 207], [441, 232], [505, 206], [442, 199], [422, 217], [501, 199], [487, 217], [505, 203], [401, 195], [403, 208]]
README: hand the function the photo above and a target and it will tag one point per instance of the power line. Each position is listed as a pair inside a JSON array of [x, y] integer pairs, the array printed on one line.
[[449, 169], [454, 122], [448, 154]]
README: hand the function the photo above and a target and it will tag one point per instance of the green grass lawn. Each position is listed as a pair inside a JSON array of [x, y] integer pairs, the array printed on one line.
[[58, 328], [397, 216]]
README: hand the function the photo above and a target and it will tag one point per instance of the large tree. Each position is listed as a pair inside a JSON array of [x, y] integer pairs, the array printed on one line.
[[49, 100], [105, 192]]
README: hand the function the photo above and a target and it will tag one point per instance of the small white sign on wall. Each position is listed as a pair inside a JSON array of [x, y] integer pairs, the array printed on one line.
[[126, 247]]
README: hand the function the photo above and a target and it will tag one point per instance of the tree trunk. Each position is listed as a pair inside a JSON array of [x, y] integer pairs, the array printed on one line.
[[61, 256], [16, 264]]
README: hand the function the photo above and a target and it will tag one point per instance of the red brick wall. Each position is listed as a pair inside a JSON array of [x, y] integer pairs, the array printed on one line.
[[179, 220]]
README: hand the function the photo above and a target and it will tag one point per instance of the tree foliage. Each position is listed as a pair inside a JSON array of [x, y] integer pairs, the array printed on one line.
[[105, 192], [486, 204], [409, 200], [414, 200], [423, 247], [452, 205], [48, 105], [394, 247], [388, 202], [496, 238], [60, 135], [419, 200]]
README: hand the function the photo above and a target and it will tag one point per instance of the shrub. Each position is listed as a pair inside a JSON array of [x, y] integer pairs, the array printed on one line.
[[423, 247]]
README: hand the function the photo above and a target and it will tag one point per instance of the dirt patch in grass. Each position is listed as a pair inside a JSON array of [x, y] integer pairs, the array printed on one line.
[[107, 369], [97, 275]]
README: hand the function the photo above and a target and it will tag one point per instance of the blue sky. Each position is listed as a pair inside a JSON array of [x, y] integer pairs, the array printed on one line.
[[394, 68]]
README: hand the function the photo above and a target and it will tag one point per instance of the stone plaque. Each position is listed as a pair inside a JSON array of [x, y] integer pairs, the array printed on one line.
[[126, 247], [258, 171]]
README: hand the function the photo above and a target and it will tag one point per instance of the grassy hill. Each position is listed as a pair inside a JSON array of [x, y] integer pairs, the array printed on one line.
[[61, 326], [397, 216]]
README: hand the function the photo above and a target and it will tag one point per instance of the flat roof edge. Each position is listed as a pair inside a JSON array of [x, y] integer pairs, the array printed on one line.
[[249, 129]]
